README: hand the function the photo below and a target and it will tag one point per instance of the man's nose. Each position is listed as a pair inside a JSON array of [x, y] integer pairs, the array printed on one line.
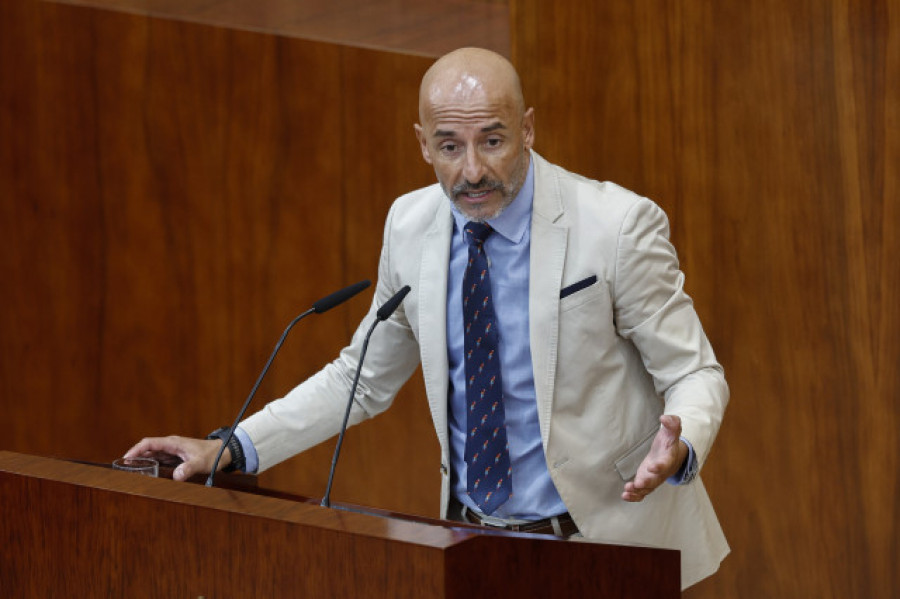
[[473, 170]]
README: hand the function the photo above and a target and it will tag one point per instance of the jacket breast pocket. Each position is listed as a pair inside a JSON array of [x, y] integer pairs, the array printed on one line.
[[578, 293]]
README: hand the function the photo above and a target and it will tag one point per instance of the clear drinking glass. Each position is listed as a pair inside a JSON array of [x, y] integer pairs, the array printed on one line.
[[145, 466]]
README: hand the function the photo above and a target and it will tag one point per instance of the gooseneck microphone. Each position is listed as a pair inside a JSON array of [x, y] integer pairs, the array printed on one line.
[[383, 313], [338, 297], [323, 305]]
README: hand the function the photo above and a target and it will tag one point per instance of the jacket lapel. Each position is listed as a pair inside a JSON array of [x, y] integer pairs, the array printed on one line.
[[548, 253], [432, 300], [548, 256]]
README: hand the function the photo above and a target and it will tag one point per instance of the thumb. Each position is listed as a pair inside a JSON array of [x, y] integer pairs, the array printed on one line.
[[671, 423], [184, 471]]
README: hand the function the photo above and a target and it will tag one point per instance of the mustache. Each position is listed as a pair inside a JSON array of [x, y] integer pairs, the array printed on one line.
[[486, 184]]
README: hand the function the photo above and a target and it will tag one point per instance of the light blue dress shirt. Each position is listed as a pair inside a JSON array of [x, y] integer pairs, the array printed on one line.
[[534, 495]]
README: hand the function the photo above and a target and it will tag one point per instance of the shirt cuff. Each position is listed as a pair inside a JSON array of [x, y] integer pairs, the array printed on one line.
[[685, 474], [251, 459]]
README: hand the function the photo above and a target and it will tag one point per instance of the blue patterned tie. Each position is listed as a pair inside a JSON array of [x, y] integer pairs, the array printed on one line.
[[487, 451]]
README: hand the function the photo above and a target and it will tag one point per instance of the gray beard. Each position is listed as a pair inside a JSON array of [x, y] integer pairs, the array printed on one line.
[[509, 192]]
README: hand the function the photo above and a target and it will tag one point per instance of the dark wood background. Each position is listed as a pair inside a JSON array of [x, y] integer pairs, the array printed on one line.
[[177, 182], [770, 132]]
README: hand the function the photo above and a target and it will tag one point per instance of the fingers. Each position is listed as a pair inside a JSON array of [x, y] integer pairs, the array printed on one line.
[[665, 456], [156, 445], [644, 483], [193, 456], [647, 479], [184, 471], [635, 494]]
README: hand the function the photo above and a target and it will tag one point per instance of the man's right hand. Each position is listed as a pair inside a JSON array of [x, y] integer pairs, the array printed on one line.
[[193, 456]]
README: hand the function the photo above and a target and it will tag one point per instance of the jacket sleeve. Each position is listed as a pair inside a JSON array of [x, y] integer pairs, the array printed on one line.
[[313, 411], [654, 312]]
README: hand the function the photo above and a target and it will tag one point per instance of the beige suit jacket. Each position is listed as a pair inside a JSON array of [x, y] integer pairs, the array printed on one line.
[[608, 360]]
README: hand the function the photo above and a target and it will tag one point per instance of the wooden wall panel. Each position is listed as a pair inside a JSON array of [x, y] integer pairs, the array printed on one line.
[[420, 27], [381, 160], [769, 132], [173, 194]]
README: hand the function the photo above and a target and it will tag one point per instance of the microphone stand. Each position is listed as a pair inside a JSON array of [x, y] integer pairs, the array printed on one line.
[[384, 312], [215, 466], [322, 305]]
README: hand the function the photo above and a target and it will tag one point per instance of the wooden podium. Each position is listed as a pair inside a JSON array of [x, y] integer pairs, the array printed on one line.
[[75, 530]]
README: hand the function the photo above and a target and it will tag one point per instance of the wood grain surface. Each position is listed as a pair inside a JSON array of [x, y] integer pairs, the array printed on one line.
[[420, 27], [85, 531], [770, 133], [175, 193]]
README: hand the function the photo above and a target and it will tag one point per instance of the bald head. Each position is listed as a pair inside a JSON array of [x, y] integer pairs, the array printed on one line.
[[467, 75], [475, 131]]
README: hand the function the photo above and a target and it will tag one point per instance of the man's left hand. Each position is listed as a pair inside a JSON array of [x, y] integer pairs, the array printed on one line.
[[666, 456]]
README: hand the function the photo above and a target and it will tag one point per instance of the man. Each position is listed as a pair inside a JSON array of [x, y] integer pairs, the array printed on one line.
[[567, 373]]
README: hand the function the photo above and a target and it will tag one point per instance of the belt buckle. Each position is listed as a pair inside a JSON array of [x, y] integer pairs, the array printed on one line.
[[493, 522]]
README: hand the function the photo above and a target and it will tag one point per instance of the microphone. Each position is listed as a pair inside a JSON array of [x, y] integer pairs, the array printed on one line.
[[338, 297], [390, 306], [383, 313], [324, 304]]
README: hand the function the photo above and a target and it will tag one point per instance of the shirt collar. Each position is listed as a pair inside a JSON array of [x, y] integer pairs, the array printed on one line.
[[514, 220]]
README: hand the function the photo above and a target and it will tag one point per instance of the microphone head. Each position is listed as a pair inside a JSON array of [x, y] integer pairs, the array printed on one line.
[[388, 308], [339, 297]]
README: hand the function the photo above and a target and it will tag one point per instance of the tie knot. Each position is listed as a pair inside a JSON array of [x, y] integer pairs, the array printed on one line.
[[477, 232]]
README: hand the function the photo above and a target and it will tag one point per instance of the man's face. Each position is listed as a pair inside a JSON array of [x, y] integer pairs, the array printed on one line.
[[478, 145]]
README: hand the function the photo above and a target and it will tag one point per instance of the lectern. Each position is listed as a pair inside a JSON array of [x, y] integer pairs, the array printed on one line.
[[76, 530]]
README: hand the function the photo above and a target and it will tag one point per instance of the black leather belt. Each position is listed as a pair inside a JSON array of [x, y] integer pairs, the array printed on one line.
[[563, 526]]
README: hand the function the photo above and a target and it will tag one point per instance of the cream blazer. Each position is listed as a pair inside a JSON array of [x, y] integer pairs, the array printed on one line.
[[608, 360]]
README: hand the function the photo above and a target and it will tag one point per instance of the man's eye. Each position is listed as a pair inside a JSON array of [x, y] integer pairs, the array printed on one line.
[[494, 142], [449, 148]]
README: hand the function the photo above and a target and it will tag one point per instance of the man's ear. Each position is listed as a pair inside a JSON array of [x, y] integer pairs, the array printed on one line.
[[528, 128], [423, 142]]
